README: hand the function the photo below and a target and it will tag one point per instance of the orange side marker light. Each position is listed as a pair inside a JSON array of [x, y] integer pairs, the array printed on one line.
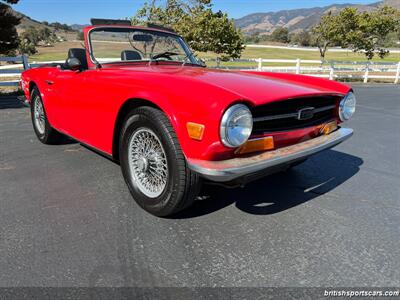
[[195, 130], [329, 127]]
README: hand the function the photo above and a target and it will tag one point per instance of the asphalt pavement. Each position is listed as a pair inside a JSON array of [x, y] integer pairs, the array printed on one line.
[[68, 220]]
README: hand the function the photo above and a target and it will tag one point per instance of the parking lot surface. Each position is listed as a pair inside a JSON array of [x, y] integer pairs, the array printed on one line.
[[67, 218]]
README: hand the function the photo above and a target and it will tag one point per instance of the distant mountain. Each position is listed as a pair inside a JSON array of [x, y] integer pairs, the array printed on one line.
[[78, 27], [260, 22], [298, 19], [26, 21]]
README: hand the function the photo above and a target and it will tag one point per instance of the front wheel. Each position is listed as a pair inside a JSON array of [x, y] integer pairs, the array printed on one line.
[[153, 164]]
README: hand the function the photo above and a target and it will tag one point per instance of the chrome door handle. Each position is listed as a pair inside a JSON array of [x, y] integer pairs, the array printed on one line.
[[49, 82]]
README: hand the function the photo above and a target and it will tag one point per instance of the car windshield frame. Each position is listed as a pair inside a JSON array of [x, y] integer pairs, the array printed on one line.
[[190, 58]]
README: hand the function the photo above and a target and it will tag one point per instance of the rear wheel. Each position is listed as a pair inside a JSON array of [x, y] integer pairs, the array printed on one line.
[[45, 133], [153, 164]]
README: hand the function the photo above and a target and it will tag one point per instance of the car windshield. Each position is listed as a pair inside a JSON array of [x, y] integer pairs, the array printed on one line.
[[130, 44]]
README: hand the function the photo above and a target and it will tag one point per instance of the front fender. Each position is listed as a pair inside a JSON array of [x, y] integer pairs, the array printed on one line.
[[181, 109]]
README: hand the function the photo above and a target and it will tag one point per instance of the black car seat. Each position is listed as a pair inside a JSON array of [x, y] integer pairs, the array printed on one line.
[[80, 54], [130, 55]]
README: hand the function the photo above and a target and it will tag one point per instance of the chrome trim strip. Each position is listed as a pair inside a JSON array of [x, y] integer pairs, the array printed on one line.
[[316, 110], [291, 115], [275, 117], [227, 170]]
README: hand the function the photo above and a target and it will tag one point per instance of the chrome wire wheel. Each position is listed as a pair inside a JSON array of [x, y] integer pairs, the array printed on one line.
[[147, 162], [38, 115]]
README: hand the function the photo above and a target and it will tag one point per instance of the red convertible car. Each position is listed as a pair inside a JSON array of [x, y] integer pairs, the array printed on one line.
[[140, 96]]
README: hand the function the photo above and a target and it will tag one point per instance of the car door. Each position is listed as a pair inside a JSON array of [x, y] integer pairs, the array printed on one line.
[[82, 106], [68, 105], [96, 111]]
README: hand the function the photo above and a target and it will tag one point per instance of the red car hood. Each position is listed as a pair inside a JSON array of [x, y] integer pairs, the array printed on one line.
[[258, 87]]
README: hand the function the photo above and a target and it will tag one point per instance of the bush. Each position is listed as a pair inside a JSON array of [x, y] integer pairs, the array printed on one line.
[[26, 47], [302, 38], [280, 34], [80, 36]]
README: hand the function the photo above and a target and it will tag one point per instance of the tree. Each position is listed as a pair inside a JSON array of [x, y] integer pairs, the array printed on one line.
[[280, 34], [202, 28], [214, 32], [326, 33], [8, 32], [29, 39], [46, 36], [32, 37], [25, 47], [302, 38], [254, 38], [367, 32], [362, 32]]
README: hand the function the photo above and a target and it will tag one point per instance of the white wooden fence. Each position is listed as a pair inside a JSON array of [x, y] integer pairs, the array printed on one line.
[[327, 69], [12, 70]]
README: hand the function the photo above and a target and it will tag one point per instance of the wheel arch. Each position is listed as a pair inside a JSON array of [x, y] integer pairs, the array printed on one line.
[[32, 85], [124, 110]]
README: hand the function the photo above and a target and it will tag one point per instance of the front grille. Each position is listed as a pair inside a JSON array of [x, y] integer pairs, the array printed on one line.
[[284, 115]]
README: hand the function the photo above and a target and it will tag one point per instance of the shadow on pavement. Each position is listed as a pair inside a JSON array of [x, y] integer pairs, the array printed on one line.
[[65, 140], [10, 102], [276, 193]]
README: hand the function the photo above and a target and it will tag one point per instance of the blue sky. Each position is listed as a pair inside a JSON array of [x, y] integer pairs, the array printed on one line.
[[80, 11]]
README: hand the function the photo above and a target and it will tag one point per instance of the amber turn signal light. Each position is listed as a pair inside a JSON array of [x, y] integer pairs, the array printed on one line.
[[266, 143], [195, 130], [328, 128]]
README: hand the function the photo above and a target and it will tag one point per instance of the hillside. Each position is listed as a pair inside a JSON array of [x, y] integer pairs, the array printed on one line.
[[78, 27], [297, 19], [26, 22]]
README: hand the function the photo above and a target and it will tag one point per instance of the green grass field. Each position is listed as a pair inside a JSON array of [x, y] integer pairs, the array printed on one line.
[[269, 53]]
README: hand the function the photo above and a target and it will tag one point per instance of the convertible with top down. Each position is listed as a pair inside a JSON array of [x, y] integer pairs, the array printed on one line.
[[139, 96]]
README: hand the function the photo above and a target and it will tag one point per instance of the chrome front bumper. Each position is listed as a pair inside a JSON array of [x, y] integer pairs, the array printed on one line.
[[230, 169]]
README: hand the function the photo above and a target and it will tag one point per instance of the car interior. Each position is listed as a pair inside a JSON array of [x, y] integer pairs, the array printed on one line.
[[80, 54], [130, 55]]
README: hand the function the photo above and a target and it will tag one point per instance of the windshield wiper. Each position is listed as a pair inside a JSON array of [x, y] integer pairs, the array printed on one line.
[[166, 54]]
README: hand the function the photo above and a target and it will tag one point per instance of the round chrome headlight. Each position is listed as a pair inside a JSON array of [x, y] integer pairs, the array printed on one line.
[[236, 125], [347, 107]]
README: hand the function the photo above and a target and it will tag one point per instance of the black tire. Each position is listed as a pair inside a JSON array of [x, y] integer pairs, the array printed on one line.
[[182, 185], [46, 135]]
